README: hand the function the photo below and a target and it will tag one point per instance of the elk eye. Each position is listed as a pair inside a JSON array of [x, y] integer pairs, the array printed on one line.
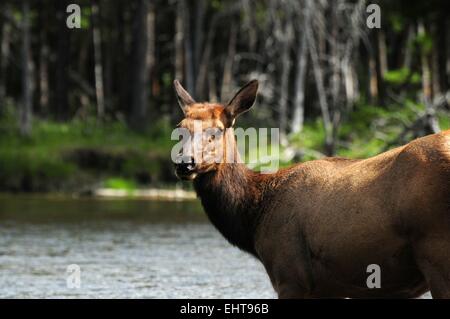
[[214, 134]]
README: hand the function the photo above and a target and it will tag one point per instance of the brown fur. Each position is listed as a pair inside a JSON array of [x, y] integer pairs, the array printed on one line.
[[316, 226]]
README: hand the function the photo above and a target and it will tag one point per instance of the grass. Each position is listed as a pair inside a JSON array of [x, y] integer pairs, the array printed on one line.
[[367, 131], [57, 156], [42, 161], [120, 183]]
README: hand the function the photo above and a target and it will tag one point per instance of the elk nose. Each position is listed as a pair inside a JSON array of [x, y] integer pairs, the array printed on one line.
[[185, 166]]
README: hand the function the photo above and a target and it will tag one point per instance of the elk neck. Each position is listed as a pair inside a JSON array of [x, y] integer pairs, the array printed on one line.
[[233, 198]]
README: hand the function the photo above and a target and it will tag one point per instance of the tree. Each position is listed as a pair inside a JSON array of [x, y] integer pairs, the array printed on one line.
[[27, 73], [4, 52], [302, 65], [142, 48], [61, 96], [98, 64]]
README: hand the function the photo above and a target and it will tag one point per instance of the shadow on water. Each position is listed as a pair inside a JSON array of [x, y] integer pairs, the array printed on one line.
[[34, 209], [125, 248]]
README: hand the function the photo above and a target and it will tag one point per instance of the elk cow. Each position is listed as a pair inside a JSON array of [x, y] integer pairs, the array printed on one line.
[[317, 226]]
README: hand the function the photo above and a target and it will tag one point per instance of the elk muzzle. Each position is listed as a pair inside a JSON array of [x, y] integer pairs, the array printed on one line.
[[185, 168]]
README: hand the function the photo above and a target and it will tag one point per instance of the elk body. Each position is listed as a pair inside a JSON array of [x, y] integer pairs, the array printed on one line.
[[317, 226]]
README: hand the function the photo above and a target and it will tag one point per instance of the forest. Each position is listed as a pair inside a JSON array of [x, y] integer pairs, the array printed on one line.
[[94, 106]]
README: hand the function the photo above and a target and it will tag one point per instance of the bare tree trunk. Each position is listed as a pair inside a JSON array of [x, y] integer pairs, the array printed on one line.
[[250, 24], [141, 62], [298, 117], [108, 53], [379, 66], [98, 67], [204, 62], [227, 78], [343, 29], [203, 66], [179, 41], [426, 74], [27, 73], [4, 57], [335, 81], [189, 62], [435, 72], [442, 50], [337, 61], [122, 56], [432, 125], [408, 48], [321, 92], [84, 97], [151, 45], [349, 82], [382, 52], [373, 80], [43, 61], [200, 9], [212, 88], [436, 84], [286, 43], [61, 96]]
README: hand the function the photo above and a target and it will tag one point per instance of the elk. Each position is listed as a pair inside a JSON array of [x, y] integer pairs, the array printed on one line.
[[317, 226]]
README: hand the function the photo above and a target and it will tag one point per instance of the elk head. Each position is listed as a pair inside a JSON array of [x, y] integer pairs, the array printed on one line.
[[209, 140]]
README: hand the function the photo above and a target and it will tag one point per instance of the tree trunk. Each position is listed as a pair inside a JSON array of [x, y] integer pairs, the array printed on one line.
[[140, 66], [226, 88], [321, 92], [43, 61], [200, 9], [61, 101], [442, 51], [27, 73], [426, 73], [382, 52], [4, 57], [373, 79], [98, 61], [432, 124], [188, 44], [379, 65], [408, 48], [179, 36], [286, 43], [300, 81], [151, 46], [212, 94], [204, 62]]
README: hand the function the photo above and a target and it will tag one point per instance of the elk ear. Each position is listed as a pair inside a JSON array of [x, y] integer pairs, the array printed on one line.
[[183, 97], [244, 99]]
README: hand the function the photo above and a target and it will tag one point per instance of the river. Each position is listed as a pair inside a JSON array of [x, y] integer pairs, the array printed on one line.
[[121, 249]]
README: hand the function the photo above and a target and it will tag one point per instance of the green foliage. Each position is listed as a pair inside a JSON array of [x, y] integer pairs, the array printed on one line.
[[120, 183], [401, 76], [425, 42], [367, 130], [397, 22], [50, 158], [444, 120], [86, 17], [312, 137]]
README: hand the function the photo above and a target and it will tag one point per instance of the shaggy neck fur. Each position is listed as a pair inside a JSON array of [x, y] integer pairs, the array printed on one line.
[[231, 197]]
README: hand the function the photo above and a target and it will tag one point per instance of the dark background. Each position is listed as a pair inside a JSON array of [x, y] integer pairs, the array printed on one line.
[[94, 107]]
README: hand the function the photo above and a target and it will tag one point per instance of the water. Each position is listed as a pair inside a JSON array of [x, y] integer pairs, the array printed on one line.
[[124, 248]]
